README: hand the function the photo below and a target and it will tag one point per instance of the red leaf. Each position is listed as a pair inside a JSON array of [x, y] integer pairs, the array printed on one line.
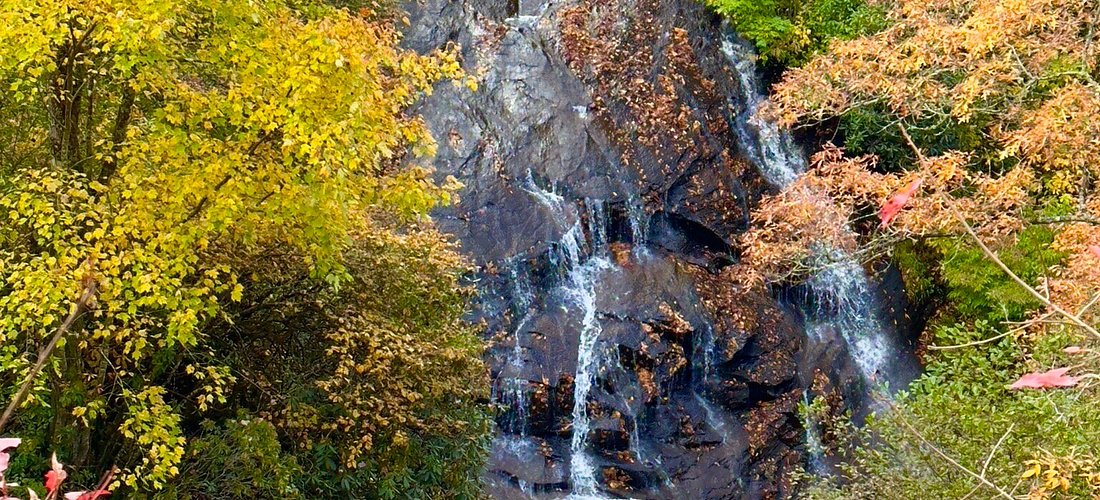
[[1046, 380], [1095, 249], [55, 475], [52, 481], [893, 206], [1074, 350]]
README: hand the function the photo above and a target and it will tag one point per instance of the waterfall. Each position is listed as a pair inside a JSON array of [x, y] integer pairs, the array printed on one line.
[[842, 282], [815, 450], [513, 391], [846, 302], [770, 148], [639, 226], [583, 260], [583, 292]]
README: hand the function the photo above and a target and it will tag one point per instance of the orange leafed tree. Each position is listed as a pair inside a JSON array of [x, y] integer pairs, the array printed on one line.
[[1017, 78]]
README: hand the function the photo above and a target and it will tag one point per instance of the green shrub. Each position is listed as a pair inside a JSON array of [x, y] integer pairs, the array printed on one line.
[[789, 32], [979, 290], [963, 407], [238, 458]]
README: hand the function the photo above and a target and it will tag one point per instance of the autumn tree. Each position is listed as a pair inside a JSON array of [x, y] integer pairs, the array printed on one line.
[[378, 385], [971, 153], [991, 101], [155, 152]]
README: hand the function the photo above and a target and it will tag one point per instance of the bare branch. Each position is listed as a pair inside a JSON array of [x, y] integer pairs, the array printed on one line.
[[952, 461], [1082, 218], [970, 344], [1073, 318], [989, 458]]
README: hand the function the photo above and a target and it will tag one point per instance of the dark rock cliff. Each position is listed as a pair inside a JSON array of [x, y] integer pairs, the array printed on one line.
[[602, 132]]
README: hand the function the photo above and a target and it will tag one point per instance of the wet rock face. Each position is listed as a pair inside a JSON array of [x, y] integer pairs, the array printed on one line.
[[604, 191]]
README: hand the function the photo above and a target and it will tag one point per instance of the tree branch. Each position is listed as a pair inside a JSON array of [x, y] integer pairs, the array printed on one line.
[[81, 306], [989, 458], [205, 199], [970, 344], [1083, 218], [1073, 318], [118, 134], [953, 208], [952, 461]]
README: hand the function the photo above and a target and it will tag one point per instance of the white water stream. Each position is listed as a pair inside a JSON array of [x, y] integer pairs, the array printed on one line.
[[582, 263], [582, 256], [841, 281]]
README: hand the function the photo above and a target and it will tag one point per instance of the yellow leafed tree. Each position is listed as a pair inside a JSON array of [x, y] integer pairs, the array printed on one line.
[[147, 149]]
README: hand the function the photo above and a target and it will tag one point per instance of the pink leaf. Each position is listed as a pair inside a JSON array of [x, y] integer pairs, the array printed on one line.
[[9, 443], [55, 475], [3, 462], [1046, 380], [86, 495], [893, 206], [1095, 249], [1074, 350]]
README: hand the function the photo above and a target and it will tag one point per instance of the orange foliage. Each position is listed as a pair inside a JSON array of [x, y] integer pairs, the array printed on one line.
[[1023, 73], [789, 227], [914, 67]]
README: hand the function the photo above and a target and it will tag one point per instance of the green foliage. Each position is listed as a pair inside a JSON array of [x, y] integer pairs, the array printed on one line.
[[962, 405], [240, 458], [791, 31], [978, 289], [407, 376], [423, 469], [873, 130], [917, 264]]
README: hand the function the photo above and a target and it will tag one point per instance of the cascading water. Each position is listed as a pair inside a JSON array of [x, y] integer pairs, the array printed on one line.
[[813, 438], [582, 264], [841, 282], [620, 364], [846, 303], [582, 473], [770, 149], [639, 226], [514, 390]]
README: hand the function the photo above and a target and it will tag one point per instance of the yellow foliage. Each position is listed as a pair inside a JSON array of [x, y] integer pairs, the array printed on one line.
[[1053, 476], [165, 137]]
